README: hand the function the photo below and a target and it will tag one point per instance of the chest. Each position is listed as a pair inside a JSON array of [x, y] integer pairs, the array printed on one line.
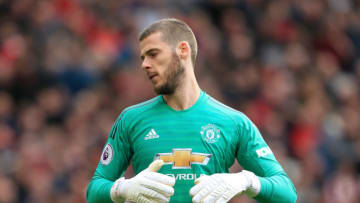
[[199, 144]]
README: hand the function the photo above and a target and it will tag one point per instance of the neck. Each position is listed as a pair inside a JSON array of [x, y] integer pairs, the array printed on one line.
[[185, 95]]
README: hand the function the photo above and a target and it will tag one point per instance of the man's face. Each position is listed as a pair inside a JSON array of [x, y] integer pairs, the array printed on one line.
[[161, 64]]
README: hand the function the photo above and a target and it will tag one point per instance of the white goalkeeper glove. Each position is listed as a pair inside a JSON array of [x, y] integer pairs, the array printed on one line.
[[146, 187], [222, 187]]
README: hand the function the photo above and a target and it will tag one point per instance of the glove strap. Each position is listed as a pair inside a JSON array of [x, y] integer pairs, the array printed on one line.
[[115, 191], [254, 183]]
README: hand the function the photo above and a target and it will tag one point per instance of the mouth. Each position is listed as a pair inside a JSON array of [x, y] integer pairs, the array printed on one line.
[[152, 75]]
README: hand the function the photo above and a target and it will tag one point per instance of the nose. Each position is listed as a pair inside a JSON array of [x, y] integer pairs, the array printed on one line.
[[145, 64]]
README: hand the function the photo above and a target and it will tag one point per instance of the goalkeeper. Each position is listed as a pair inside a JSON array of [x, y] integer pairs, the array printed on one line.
[[183, 142]]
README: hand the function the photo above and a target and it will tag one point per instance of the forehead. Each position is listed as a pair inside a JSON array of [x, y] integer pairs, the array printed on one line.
[[153, 41]]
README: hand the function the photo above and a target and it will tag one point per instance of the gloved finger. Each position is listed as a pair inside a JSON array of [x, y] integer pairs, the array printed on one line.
[[201, 183], [222, 200], [195, 189], [155, 196], [161, 178], [210, 198], [203, 193], [142, 199], [198, 180], [158, 187], [226, 195], [155, 165], [218, 193]]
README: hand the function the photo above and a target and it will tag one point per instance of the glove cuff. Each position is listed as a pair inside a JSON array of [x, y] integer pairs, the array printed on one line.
[[254, 183], [115, 191]]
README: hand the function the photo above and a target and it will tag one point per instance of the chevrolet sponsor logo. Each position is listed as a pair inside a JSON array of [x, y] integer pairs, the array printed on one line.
[[183, 158], [185, 176]]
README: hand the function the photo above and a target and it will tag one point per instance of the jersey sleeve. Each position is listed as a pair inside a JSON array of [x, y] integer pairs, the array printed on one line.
[[114, 161], [255, 155]]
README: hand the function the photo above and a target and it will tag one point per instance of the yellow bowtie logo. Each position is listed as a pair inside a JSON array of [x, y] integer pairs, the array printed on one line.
[[183, 158]]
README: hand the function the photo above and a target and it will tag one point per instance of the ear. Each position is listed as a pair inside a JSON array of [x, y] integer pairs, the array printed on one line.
[[183, 50]]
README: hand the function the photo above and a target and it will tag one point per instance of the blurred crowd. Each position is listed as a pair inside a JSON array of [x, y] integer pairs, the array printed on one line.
[[69, 67]]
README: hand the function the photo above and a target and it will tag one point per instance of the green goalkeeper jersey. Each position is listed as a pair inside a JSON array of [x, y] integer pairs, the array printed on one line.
[[203, 139]]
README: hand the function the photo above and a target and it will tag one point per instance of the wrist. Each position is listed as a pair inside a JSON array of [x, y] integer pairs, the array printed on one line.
[[254, 186], [116, 190]]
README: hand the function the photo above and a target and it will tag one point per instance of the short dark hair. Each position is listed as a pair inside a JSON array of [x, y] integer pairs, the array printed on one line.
[[173, 31]]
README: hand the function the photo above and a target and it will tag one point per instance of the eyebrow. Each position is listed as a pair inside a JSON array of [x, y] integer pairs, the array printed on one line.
[[148, 52]]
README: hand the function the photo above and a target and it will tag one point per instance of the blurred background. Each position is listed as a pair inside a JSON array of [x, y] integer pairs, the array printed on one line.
[[69, 67]]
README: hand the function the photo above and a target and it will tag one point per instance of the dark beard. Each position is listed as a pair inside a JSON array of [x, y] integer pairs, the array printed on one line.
[[173, 75]]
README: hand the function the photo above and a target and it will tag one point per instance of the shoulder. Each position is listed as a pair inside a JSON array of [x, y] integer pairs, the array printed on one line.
[[137, 109], [237, 116], [223, 108]]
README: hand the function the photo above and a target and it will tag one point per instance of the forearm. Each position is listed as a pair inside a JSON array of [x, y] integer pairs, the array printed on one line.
[[277, 188], [99, 190]]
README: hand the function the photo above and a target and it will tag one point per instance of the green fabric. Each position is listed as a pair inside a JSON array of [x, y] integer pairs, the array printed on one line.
[[204, 139]]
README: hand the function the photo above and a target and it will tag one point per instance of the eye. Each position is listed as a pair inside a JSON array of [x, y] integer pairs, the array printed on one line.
[[152, 54]]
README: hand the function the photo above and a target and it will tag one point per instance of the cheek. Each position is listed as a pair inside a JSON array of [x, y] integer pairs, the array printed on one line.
[[162, 66], [163, 61], [162, 72]]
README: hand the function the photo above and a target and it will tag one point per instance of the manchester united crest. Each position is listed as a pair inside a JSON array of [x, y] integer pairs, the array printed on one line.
[[210, 133]]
